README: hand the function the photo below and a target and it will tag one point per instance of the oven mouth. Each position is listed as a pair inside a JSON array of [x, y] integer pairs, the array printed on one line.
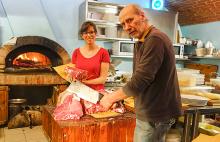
[[31, 58], [28, 70]]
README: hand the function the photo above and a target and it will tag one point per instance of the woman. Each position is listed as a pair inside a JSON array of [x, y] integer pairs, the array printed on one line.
[[91, 57]]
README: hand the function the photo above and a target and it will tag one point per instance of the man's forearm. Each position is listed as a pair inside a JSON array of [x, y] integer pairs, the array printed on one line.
[[117, 96]]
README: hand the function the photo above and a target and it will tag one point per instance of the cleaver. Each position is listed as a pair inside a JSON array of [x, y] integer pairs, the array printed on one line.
[[85, 92]]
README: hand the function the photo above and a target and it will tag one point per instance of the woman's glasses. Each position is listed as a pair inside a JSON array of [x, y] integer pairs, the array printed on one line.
[[89, 33]]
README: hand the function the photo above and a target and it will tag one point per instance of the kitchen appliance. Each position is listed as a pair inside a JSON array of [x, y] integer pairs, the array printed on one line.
[[179, 50], [123, 48]]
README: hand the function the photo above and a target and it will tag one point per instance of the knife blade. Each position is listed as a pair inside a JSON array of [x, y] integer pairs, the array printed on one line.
[[85, 92]]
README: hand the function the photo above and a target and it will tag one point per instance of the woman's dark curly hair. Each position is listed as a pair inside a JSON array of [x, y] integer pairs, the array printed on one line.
[[85, 26]]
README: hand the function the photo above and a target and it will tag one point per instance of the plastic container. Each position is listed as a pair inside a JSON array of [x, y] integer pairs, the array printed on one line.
[[215, 81], [186, 79]]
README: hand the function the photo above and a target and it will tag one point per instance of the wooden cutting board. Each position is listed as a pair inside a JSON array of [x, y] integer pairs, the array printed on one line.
[[105, 114], [129, 104], [206, 138], [214, 102]]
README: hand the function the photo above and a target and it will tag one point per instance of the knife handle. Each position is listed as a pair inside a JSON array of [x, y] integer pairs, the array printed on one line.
[[100, 96]]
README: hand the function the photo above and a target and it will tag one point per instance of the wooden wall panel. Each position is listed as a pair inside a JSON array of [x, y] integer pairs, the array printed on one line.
[[3, 104]]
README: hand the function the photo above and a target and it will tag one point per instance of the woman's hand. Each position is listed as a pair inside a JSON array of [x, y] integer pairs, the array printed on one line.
[[70, 78], [85, 81]]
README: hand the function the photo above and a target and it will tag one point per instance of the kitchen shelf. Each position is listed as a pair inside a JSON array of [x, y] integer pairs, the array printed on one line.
[[205, 57], [103, 4], [104, 22], [182, 59], [105, 16], [197, 58], [201, 87], [128, 56]]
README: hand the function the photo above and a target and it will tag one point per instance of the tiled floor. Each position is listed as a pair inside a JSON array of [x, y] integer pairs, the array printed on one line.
[[25, 134]]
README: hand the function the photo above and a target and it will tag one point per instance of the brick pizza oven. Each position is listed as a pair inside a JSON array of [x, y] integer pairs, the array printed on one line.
[[28, 60], [26, 70]]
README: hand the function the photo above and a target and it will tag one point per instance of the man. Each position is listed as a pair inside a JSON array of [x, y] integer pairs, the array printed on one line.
[[154, 83]]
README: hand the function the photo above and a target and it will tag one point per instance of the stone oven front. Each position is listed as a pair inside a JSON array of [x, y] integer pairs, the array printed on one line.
[[26, 71]]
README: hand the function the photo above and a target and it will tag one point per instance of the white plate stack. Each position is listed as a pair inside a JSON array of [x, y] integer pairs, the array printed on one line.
[[194, 100]]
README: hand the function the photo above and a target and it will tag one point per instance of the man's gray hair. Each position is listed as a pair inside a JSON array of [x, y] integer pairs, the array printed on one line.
[[137, 10]]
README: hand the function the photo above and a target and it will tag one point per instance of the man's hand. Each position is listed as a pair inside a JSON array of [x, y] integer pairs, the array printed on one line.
[[105, 102], [108, 99]]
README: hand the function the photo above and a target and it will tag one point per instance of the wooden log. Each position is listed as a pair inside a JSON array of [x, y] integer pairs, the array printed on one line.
[[89, 129]]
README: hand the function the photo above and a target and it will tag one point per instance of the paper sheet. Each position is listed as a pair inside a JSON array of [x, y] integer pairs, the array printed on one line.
[[61, 72]]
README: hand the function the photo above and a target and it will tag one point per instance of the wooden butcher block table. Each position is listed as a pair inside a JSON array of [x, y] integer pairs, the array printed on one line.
[[89, 129]]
